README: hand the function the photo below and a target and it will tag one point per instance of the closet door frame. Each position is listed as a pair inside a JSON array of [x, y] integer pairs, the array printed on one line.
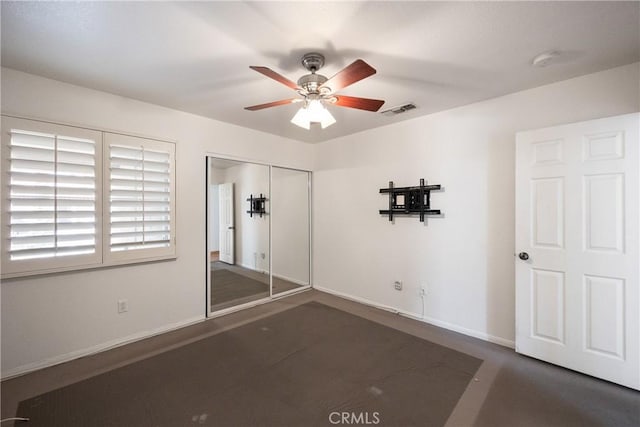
[[208, 312]]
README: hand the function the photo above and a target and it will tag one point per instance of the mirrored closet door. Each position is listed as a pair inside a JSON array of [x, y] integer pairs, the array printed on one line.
[[290, 229], [258, 232], [238, 233]]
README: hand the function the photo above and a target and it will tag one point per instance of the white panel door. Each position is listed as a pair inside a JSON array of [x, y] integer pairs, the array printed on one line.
[[227, 224], [577, 240]]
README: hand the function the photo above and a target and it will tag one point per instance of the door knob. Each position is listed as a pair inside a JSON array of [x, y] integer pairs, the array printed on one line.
[[523, 256], [231, 228]]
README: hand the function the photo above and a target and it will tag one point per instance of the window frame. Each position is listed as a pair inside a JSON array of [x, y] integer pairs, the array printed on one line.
[[101, 257]]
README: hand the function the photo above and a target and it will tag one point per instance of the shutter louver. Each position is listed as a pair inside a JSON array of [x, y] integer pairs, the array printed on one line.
[[139, 198], [52, 196]]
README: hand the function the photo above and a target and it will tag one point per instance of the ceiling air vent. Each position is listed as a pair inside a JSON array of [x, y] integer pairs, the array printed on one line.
[[399, 109]]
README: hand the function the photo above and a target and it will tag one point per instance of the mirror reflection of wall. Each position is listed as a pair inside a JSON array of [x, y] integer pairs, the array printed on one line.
[[290, 228], [238, 242]]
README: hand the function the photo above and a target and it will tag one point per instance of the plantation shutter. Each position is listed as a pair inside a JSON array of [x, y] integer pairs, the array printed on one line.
[[52, 199], [141, 205], [75, 198]]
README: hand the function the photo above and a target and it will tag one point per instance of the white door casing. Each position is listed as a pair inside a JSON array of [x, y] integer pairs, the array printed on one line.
[[577, 218], [227, 224]]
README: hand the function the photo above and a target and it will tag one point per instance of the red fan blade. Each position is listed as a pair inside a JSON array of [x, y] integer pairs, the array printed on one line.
[[272, 104], [359, 103], [275, 76], [349, 75]]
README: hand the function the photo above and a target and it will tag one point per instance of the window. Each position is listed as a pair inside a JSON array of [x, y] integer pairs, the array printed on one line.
[[51, 196], [54, 198], [140, 188]]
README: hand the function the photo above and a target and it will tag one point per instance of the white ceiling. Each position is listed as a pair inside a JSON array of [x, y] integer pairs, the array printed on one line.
[[195, 56]]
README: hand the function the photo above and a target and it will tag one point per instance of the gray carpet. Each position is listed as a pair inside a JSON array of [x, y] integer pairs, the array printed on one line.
[[542, 394], [294, 368]]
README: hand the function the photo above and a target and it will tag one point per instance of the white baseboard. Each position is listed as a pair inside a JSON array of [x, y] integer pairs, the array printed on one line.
[[436, 322], [52, 361], [279, 276], [257, 270]]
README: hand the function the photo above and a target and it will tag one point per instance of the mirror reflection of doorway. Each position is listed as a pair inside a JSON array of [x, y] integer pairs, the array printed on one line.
[[238, 243], [213, 236], [226, 223]]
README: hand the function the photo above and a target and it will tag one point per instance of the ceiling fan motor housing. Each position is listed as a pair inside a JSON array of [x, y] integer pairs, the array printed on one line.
[[312, 61], [311, 82]]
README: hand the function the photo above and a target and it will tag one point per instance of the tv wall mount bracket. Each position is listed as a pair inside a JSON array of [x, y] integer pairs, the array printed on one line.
[[257, 205], [410, 200]]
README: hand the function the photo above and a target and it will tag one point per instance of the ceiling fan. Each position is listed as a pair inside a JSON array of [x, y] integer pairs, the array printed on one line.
[[317, 91]]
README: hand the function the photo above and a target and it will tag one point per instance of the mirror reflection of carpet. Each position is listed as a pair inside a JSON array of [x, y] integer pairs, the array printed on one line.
[[227, 286], [232, 285]]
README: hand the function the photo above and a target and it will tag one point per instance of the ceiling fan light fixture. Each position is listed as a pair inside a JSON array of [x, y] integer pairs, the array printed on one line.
[[327, 118], [313, 112], [317, 90], [301, 119], [315, 109]]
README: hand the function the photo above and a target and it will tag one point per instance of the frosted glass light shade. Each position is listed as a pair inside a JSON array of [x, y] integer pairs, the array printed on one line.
[[327, 119], [302, 119], [313, 112]]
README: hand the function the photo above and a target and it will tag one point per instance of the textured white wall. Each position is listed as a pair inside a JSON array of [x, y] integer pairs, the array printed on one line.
[[466, 257], [51, 318]]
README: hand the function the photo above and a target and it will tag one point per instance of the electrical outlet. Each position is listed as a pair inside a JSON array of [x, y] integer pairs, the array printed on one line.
[[123, 306], [397, 285], [423, 290]]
